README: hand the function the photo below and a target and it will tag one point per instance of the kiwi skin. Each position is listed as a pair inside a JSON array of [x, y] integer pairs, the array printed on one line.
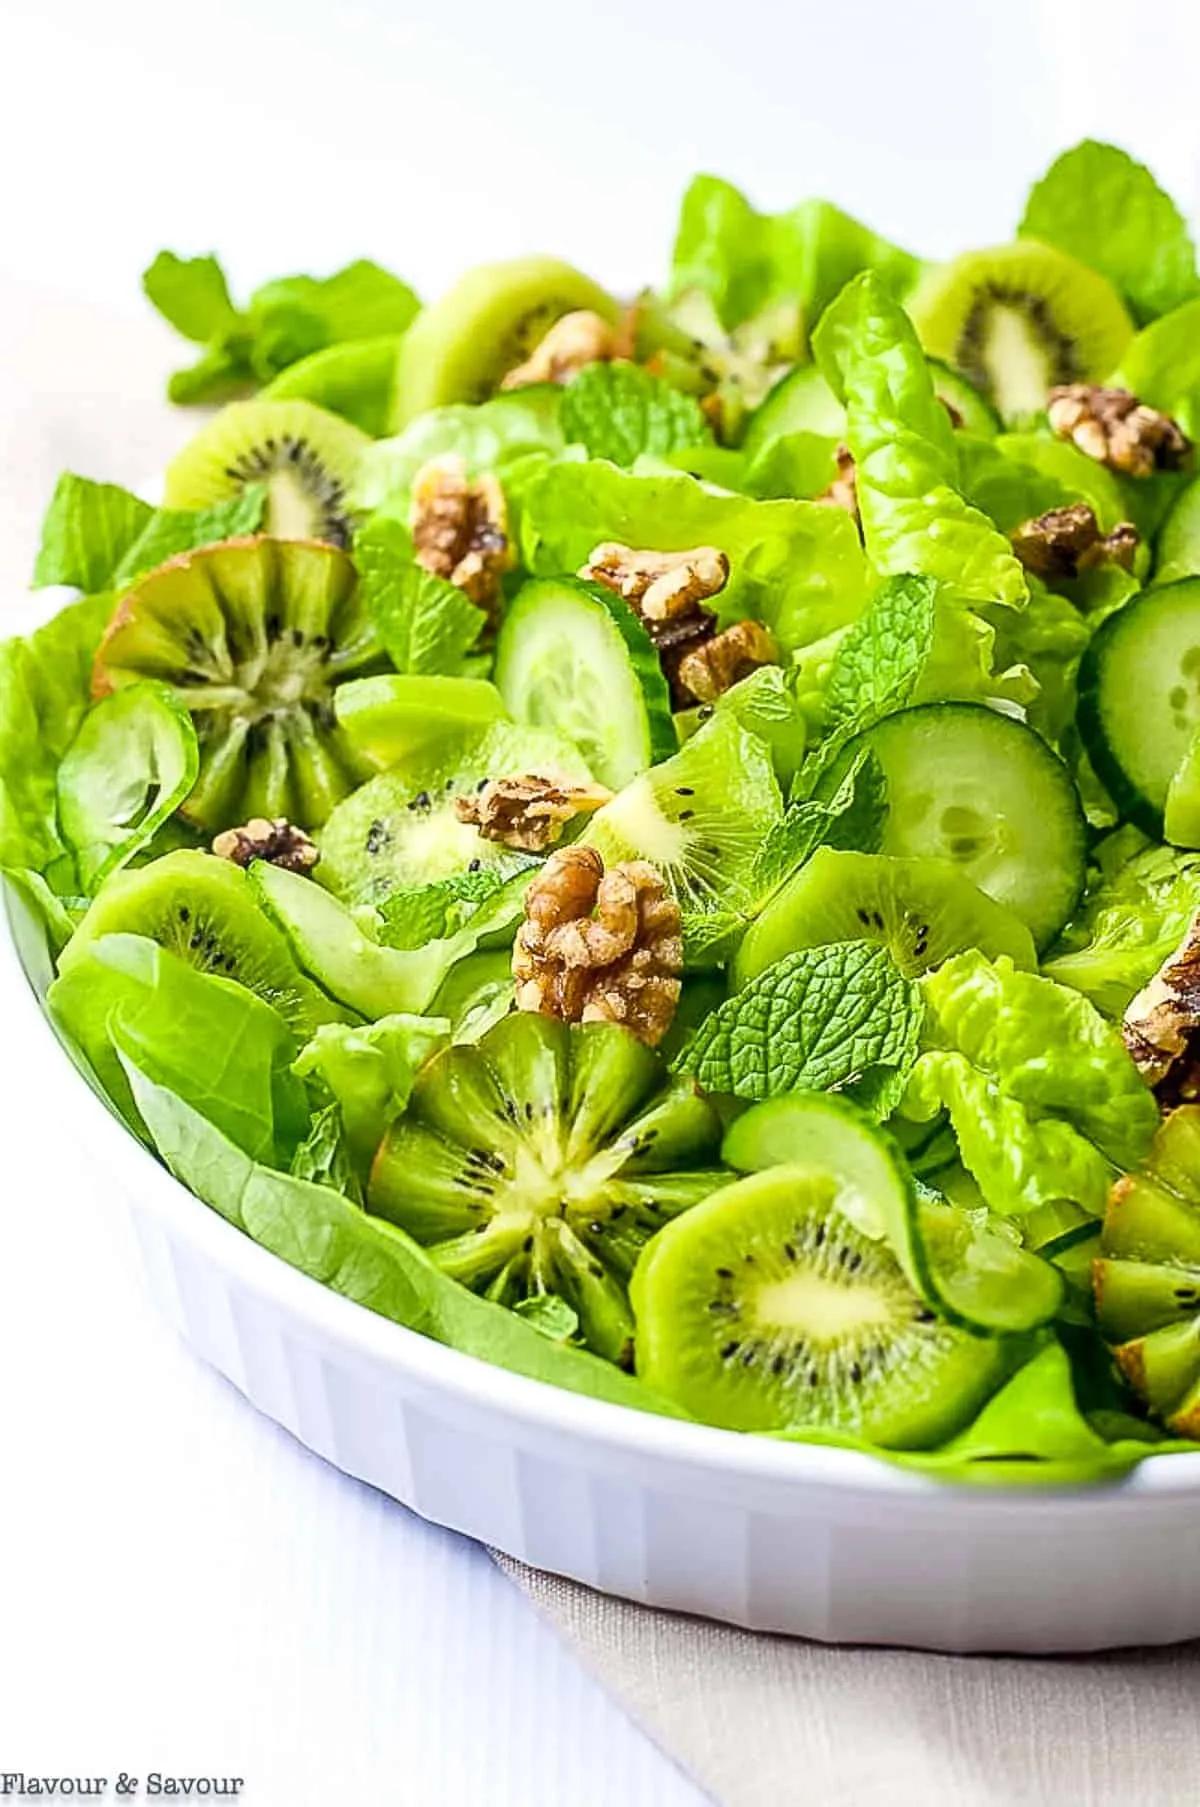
[[745, 1317]]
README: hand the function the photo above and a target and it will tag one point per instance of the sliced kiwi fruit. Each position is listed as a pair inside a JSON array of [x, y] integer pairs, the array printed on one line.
[[251, 636], [765, 1309], [305, 457], [204, 910], [921, 910], [700, 817], [539, 1161], [461, 348], [686, 343], [1146, 1279], [1019, 318], [401, 829], [354, 380]]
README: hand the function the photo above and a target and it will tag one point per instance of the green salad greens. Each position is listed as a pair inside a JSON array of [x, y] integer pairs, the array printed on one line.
[[656, 840]]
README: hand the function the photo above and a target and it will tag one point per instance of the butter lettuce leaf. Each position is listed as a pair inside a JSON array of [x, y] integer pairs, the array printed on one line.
[[491, 436], [1161, 365], [1103, 207], [796, 565], [369, 1071], [1132, 922]]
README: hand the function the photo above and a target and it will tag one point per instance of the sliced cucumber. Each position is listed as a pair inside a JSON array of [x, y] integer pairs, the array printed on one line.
[[977, 1276], [803, 402], [1181, 813], [1139, 698], [573, 657], [921, 910], [973, 787], [398, 715]]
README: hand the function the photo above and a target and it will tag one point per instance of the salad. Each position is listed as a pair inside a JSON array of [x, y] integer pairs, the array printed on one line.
[[657, 843]]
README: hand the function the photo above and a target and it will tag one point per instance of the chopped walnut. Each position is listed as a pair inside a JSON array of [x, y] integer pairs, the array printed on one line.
[[660, 585], [576, 339], [843, 491], [1065, 541], [529, 811], [460, 529], [715, 666], [600, 947], [1162, 1023], [1115, 429], [277, 842]]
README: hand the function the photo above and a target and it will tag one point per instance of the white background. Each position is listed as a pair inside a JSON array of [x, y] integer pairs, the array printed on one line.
[[181, 1587]]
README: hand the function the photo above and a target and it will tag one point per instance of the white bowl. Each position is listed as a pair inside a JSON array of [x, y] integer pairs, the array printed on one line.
[[780, 1537]]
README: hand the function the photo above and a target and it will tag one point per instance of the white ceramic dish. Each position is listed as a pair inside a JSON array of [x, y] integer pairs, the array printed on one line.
[[819, 1542]]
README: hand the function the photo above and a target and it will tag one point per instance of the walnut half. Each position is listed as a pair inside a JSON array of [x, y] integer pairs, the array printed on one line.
[[707, 670], [575, 340], [460, 529], [275, 841], [600, 946], [661, 586], [1065, 541], [1115, 429], [530, 810], [1162, 1023]]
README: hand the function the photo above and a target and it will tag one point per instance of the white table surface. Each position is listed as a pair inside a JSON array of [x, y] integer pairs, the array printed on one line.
[[182, 1587]]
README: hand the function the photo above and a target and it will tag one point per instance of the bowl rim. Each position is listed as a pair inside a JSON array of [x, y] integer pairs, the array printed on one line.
[[366, 1336]]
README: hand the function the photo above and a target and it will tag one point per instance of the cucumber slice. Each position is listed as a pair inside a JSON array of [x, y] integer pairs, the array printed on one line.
[[1139, 698], [573, 657], [968, 785], [1181, 813], [396, 716], [921, 910], [803, 402], [459, 349], [977, 1277]]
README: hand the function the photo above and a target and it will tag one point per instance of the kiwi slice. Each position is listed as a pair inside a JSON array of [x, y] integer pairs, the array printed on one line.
[[401, 829], [1019, 318], [459, 349], [700, 817], [538, 1162], [204, 910], [353, 379], [304, 456], [251, 636], [1146, 1279], [732, 372], [765, 1309], [921, 910]]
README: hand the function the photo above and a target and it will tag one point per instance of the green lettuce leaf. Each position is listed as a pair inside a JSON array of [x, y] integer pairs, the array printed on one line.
[[796, 565], [620, 411], [1047, 638], [817, 1020], [914, 518], [45, 690], [324, 1158], [1162, 366], [492, 436], [425, 623], [86, 532], [369, 1072], [1133, 921], [745, 260], [218, 1046], [170, 531], [284, 320], [1100, 205], [326, 1236]]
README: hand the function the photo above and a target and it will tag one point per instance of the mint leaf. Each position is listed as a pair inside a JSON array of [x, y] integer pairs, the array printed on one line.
[[817, 1020], [425, 623], [851, 818], [191, 292], [170, 531], [880, 661], [619, 411], [429, 912], [87, 530], [710, 937], [1102, 207]]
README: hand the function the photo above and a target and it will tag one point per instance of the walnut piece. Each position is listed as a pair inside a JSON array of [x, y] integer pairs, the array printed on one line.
[[714, 666], [600, 946], [530, 810], [576, 339], [460, 529], [843, 491], [1115, 429], [660, 585], [275, 841], [1065, 541], [1162, 1023]]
